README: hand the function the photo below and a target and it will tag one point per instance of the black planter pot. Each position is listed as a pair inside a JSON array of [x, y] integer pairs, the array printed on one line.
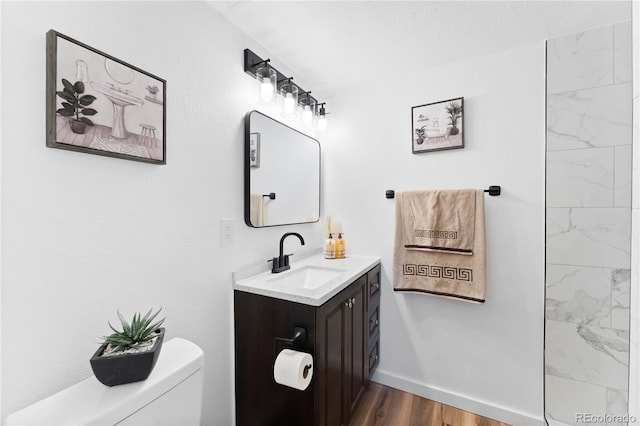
[[78, 127], [127, 368]]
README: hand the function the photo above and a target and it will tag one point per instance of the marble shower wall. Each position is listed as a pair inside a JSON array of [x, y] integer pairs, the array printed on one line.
[[588, 241]]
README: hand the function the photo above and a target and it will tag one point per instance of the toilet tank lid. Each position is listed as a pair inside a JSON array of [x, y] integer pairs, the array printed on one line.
[[91, 403]]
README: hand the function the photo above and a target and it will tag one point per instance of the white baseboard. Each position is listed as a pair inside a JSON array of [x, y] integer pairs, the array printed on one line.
[[462, 402]]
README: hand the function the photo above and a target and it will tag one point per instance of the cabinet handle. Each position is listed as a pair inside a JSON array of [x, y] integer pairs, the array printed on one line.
[[353, 301], [349, 303], [375, 322], [376, 285]]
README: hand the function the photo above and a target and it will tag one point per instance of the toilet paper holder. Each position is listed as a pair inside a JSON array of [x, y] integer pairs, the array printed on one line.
[[299, 336]]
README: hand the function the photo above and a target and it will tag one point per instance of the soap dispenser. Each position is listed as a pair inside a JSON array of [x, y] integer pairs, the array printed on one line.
[[330, 248], [340, 247]]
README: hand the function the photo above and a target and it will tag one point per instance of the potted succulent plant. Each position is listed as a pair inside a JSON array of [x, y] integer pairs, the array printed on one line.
[[129, 355], [74, 104]]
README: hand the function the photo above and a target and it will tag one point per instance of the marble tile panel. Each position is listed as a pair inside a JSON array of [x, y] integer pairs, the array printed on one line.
[[622, 56], [589, 118], [620, 299], [622, 176], [579, 294], [634, 351], [580, 178], [617, 405], [580, 61], [566, 399], [590, 354], [589, 237]]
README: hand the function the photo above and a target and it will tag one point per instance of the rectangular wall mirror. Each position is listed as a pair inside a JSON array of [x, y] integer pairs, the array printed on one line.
[[281, 174]]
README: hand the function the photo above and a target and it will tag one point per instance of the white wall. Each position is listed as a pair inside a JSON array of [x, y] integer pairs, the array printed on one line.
[[84, 235], [483, 358]]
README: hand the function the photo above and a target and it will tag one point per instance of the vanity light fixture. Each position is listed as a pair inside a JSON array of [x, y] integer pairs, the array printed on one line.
[[274, 82], [267, 77], [308, 105], [289, 92], [322, 118]]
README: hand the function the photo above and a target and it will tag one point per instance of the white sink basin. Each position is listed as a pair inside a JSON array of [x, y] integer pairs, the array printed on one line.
[[308, 277]]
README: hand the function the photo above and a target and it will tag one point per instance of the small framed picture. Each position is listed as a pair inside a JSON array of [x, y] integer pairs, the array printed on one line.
[[98, 104], [254, 150], [437, 126]]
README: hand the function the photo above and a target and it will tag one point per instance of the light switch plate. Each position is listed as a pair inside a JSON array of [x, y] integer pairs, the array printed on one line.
[[226, 232]]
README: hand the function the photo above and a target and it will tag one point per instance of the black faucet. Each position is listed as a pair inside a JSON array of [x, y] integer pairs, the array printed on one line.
[[281, 263]]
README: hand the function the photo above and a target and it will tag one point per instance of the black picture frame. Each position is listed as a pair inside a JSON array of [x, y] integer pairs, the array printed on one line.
[[254, 149], [437, 126], [122, 108]]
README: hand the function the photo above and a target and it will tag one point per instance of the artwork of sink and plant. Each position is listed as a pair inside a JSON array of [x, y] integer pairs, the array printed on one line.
[[437, 126], [101, 105]]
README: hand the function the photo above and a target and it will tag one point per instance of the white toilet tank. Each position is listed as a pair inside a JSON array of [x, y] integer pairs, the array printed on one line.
[[171, 395]]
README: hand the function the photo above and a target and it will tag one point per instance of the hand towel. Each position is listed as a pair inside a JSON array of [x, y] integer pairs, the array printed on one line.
[[257, 210], [439, 220], [445, 274]]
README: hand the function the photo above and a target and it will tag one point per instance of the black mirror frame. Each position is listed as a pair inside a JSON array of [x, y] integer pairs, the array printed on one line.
[[247, 172]]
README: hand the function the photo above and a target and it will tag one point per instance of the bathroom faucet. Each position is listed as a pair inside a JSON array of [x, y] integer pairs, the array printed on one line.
[[281, 263]]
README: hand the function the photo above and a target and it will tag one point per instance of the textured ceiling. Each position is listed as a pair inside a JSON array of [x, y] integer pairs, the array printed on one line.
[[332, 44]]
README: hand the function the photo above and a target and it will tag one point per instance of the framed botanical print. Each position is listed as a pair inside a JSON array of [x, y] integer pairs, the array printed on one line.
[[98, 104], [437, 126]]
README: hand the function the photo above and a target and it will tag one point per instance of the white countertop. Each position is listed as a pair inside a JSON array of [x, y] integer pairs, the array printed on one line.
[[342, 271]]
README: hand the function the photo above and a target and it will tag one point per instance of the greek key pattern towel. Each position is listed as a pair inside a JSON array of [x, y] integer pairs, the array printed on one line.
[[455, 270]]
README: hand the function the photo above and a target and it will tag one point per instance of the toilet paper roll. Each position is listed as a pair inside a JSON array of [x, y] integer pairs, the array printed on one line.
[[293, 369]]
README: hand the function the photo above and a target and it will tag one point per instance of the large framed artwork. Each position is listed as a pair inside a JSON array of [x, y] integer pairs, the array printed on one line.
[[437, 126], [98, 104]]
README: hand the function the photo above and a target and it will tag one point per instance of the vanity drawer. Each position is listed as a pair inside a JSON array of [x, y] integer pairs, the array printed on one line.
[[374, 321], [374, 358], [373, 283]]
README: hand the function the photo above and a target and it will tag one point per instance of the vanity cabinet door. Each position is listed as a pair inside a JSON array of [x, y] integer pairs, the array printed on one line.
[[357, 371], [341, 352]]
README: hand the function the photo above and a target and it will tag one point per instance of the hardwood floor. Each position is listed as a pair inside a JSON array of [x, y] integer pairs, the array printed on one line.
[[385, 406]]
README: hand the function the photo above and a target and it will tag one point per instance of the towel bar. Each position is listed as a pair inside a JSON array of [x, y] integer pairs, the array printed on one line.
[[494, 190], [271, 195]]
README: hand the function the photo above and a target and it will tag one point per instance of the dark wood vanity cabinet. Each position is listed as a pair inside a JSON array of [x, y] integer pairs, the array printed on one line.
[[343, 337]]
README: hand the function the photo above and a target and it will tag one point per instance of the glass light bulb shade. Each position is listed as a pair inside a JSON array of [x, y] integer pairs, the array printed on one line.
[[267, 77], [307, 115], [308, 105], [289, 103], [266, 91], [322, 123], [289, 93]]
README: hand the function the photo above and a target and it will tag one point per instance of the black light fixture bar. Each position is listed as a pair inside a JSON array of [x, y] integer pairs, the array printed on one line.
[[252, 62]]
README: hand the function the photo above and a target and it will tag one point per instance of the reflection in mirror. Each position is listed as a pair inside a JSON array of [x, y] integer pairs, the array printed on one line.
[[282, 174]]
